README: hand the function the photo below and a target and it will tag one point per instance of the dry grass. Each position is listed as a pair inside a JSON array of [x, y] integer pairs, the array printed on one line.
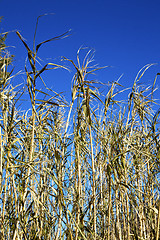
[[84, 170]]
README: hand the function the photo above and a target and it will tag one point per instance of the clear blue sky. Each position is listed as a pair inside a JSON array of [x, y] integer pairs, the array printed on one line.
[[125, 35]]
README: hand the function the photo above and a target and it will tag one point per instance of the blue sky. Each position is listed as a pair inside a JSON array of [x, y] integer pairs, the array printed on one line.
[[125, 35]]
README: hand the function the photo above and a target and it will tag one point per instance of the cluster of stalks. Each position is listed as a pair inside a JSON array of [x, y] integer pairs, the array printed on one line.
[[87, 169]]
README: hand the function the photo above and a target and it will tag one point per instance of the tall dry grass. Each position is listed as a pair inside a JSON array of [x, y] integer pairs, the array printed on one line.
[[87, 169]]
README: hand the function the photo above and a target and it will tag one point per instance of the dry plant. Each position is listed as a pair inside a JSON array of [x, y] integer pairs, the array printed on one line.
[[84, 170]]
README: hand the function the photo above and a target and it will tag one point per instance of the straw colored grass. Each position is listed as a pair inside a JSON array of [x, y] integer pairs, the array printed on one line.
[[87, 169]]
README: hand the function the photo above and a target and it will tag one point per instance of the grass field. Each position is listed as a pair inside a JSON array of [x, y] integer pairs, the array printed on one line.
[[85, 169]]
